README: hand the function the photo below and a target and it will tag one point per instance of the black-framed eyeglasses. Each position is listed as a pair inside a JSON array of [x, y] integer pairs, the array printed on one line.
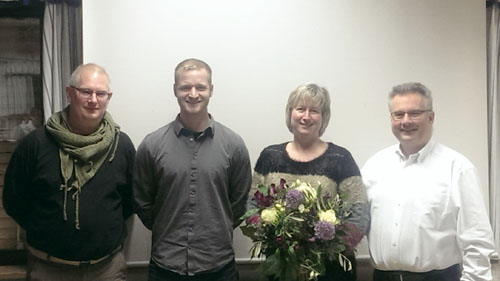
[[412, 114], [86, 93]]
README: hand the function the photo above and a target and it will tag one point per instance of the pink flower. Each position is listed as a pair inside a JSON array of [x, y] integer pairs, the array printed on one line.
[[279, 239], [353, 237], [254, 220]]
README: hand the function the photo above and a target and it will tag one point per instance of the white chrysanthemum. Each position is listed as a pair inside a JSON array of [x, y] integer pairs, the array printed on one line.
[[328, 216], [269, 215]]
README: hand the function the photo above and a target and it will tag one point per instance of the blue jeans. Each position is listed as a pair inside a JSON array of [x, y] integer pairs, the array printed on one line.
[[228, 273]]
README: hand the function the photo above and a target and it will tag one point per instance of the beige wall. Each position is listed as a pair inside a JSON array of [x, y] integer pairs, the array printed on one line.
[[260, 50]]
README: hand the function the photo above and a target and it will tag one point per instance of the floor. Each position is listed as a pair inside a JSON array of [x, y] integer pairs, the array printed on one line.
[[249, 272]]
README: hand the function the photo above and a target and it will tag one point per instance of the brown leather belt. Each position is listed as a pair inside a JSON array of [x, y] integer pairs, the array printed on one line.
[[46, 257]]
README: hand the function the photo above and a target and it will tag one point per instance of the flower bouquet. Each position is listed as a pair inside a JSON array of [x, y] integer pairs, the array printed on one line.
[[297, 227]]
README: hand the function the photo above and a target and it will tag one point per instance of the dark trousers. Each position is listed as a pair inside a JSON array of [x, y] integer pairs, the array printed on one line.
[[451, 273], [334, 272], [228, 273]]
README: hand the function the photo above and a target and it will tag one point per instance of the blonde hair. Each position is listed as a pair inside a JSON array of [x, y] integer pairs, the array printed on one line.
[[75, 78], [192, 64], [312, 94]]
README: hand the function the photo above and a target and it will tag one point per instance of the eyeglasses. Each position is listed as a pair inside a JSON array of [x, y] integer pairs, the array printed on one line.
[[412, 114], [86, 93]]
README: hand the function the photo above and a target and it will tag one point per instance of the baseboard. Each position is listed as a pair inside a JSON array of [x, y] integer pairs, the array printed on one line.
[[360, 258], [137, 263]]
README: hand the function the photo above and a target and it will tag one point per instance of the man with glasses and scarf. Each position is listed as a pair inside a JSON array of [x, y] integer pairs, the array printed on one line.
[[428, 218], [69, 185]]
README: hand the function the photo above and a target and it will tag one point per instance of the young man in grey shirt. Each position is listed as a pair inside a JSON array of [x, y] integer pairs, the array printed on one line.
[[191, 181]]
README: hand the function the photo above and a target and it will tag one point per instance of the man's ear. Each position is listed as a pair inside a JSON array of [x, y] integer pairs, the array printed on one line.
[[431, 116], [68, 96], [211, 89], [175, 94]]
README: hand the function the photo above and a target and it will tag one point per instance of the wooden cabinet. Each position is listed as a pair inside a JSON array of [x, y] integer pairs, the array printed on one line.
[[10, 232]]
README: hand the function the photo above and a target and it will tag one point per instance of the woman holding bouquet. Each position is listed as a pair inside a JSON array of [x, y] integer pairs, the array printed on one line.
[[309, 159]]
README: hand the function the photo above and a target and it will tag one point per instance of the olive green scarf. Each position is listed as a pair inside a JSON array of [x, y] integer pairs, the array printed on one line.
[[81, 156]]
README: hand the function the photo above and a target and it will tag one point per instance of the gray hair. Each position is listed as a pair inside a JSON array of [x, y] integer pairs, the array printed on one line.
[[313, 94], [76, 75], [412, 87], [192, 64]]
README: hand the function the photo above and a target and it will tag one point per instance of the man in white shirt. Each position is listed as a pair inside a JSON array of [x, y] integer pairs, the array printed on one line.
[[428, 218]]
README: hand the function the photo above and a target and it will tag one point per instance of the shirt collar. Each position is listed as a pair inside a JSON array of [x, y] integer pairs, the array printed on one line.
[[418, 156], [180, 129]]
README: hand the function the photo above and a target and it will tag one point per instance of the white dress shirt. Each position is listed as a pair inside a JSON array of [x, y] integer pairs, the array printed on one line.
[[427, 212]]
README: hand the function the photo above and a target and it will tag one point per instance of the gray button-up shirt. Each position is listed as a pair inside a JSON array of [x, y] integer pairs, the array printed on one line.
[[190, 189]]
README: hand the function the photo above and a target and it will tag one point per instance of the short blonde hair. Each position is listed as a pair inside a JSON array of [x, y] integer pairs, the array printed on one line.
[[75, 79], [311, 94], [192, 64]]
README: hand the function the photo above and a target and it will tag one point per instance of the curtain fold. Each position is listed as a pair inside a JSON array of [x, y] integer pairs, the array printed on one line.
[[61, 52], [493, 49]]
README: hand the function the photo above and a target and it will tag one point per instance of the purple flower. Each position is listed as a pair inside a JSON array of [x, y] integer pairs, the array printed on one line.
[[263, 201], [272, 191], [282, 184], [324, 230], [278, 240], [354, 236], [294, 198], [254, 220]]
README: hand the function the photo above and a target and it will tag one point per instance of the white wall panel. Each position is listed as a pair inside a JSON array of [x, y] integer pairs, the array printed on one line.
[[261, 50]]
